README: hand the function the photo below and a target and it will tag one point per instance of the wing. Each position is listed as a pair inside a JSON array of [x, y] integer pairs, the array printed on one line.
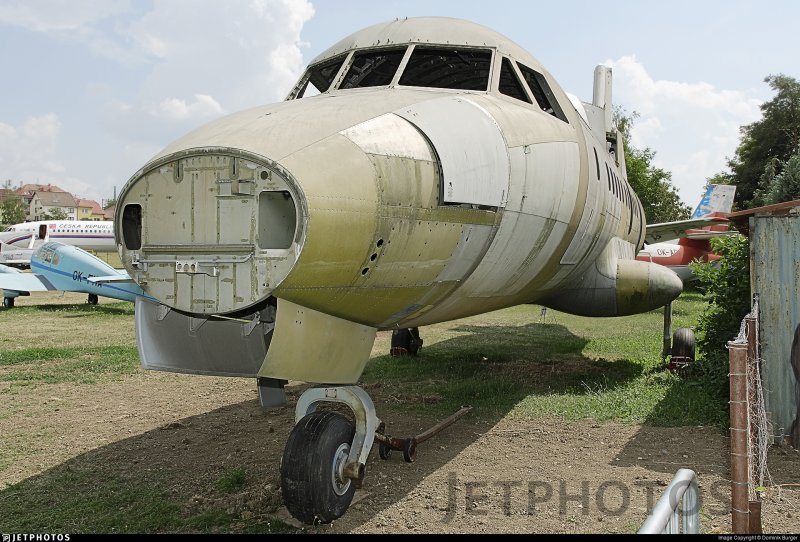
[[122, 277], [675, 230], [24, 282]]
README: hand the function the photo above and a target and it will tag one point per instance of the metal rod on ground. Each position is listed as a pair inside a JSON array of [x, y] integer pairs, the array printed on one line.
[[666, 350], [740, 512]]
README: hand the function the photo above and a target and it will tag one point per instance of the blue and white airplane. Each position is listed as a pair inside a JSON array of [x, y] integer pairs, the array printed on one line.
[[55, 266], [20, 241]]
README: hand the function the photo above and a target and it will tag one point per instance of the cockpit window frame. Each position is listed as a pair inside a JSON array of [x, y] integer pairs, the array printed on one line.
[[492, 61], [340, 78], [300, 88]]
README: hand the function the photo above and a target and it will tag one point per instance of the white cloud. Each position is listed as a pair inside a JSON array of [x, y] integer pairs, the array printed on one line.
[[182, 62], [692, 127], [28, 153], [58, 15], [203, 107]]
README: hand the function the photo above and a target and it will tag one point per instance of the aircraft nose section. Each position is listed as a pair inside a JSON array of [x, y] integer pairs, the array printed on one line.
[[211, 230]]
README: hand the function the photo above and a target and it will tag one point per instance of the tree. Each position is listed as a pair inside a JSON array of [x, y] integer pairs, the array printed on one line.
[[726, 284], [12, 210], [653, 185], [55, 213], [767, 143], [776, 187]]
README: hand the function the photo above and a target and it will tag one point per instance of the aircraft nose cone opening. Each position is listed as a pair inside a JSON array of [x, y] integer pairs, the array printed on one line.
[[211, 231]]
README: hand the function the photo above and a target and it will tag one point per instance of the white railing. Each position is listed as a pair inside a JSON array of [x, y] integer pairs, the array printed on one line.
[[678, 507]]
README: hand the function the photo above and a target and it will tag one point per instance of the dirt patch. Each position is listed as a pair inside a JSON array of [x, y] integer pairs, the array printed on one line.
[[488, 473], [482, 475]]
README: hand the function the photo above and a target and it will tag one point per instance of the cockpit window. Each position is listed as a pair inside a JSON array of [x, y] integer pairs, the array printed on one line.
[[510, 84], [318, 78], [541, 92], [448, 67], [373, 68], [322, 74]]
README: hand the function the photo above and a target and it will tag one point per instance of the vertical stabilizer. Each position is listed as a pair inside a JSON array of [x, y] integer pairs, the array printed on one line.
[[717, 199]]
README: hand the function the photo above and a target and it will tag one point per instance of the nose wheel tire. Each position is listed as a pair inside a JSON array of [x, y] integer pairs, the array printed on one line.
[[313, 484], [92, 299], [8, 302]]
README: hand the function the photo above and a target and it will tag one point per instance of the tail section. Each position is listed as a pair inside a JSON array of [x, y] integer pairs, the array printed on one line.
[[717, 199]]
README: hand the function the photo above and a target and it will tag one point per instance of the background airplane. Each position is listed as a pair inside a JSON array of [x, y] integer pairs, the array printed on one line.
[[19, 241], [55, 266], [689, 240], [440, 172]]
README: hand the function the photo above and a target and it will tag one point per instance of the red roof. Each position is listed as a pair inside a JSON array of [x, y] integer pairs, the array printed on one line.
[[29, 189], [96, 209]]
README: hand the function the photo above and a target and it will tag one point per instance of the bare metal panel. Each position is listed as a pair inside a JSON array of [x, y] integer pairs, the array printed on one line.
[[470, 146], [171, 341], [473, 244], [315, 347], [390, 135], [545, 191], [775, 251]]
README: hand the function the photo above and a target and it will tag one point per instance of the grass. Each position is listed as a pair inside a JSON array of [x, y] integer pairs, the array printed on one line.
[[51, 365], [573, 367], [232, 480], [505, 363], [84, 500]]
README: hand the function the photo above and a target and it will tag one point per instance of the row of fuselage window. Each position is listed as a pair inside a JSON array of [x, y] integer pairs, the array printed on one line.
[[621, 190]]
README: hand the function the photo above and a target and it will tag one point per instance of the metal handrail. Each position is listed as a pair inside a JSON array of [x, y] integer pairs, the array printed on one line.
[[667, 514]]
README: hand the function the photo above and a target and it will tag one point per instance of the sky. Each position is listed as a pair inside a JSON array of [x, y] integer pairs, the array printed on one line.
[[90, 90]]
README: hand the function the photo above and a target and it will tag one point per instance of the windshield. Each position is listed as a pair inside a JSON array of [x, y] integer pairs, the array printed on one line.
[[373, 68], [448, 67]]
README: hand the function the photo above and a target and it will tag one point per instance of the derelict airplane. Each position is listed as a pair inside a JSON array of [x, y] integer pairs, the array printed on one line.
[[441, 172], [690, 239], [19, 241], [55, 266]]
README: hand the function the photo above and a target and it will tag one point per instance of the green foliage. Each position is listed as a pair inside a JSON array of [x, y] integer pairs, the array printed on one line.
[[780, 181], [727, 289], [12, 210], [653, 185], [768, 142], [55, 214]]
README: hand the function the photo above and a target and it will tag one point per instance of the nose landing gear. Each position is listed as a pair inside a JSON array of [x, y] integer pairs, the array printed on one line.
[[325, 458]]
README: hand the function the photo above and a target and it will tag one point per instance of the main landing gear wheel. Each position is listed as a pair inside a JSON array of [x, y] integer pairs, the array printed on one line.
[[92, 299], [8, 302], [314, 487], [683, 343], [682, 351], [405, 342]]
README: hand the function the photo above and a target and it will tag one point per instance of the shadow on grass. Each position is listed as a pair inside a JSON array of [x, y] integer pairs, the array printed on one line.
[[493, 368], [170, 479]]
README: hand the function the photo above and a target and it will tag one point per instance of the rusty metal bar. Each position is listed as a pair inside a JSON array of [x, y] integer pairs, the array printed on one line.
[[740, 512], [408, 445], [444, 424], [755, 517]]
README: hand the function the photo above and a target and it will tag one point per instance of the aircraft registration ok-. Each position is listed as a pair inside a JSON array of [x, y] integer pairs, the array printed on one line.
[[55, 266], [677, 244], [19, 241], [420, 171]]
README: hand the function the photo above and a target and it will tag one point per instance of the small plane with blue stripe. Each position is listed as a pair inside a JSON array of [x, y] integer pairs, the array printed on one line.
[[20, 241], [59, 267]]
